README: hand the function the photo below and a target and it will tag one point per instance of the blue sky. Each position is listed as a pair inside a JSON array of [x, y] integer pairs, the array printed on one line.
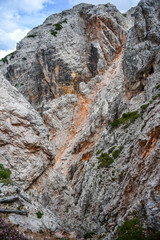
[[20, 16]]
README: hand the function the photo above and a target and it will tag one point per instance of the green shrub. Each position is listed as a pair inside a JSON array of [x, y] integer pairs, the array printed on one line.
[[1, 166], [99, 151], [54, 33], [58, 26], [31, 36], [89, 235], [131, 230], [116, 153], [130, 116], [143, 107], [124, 15], [64, 21], [111, 149], [4, 60], [126, 119], [106, 5], [115, 123], [105, 160], [5, 175], [39, 214]]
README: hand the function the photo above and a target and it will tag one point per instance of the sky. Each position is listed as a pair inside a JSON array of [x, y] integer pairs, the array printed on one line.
[[18, 17]]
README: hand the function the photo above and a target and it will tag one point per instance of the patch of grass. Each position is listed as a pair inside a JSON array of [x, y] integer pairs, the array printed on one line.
[[64, 21], [58, 26], [116, 153], [99, 151], [126, 119], [131, 230], [116, 123], [67, 209], [105, 160], [111, 149], [89, 235], [143, 107], [19, 208], [11, 55], [31, 36], [54, 33], [39, 214], [4, 60], [106, 5], [5, 175], [124, 15]]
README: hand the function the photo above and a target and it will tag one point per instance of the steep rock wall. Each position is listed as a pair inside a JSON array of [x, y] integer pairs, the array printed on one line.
[[67, 48], [24, 144], [109, 119], [141, 55]]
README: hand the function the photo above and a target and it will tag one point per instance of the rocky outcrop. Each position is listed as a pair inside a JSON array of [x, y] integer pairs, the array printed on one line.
[[141, 55], [67, 48], [99, 100], [24, 143]]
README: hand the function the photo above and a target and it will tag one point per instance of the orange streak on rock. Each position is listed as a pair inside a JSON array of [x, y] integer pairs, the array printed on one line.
[[86, 156]]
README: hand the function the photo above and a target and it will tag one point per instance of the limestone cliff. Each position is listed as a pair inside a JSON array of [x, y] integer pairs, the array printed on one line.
[[66, 49], [87, 155]]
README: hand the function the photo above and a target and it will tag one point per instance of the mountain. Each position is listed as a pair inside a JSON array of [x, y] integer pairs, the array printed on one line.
[[80, 124]]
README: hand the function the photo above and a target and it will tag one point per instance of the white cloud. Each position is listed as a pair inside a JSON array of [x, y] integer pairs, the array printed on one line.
[[17, 17], [34, 5], [18, 34], [8, 40], [26, 5]]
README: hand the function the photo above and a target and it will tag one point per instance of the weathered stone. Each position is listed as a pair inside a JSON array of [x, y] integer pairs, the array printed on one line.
[[42, 69], [142, 48], [24, 144], [103, 173]]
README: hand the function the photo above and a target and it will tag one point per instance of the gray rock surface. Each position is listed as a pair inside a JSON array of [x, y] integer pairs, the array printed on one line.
[[66, 49], [24, 144], [141, 55], [80, 191]]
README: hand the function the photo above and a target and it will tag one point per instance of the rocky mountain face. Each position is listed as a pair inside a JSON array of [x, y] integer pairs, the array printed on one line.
[[68, 48], [81, 131]]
